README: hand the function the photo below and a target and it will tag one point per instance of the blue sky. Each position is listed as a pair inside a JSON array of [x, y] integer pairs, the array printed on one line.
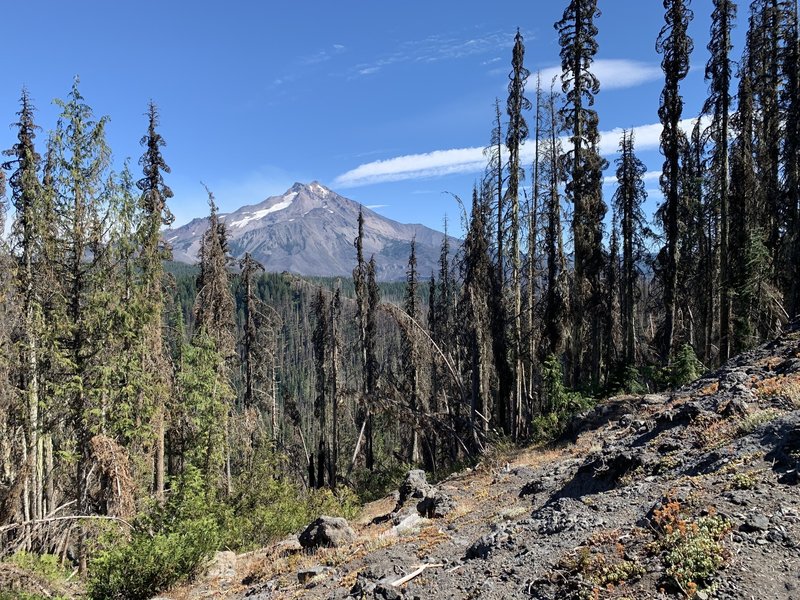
[[387, 103]]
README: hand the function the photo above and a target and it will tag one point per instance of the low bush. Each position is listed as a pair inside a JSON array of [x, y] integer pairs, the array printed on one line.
[[267, 505], [559, 404], [684, 367], [168, 545], [692, 549]]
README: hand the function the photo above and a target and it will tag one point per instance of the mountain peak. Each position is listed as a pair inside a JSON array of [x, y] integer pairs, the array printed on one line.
[[315, 187], [309, 230]]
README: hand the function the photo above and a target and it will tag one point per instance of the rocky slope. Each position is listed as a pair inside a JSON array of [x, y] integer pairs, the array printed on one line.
[[688, 494], [309, 230]]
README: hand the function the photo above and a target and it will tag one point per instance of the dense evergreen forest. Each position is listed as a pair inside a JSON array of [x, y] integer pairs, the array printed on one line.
[[151, 409]]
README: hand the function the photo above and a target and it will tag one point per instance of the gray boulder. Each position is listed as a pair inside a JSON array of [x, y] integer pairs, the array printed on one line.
[[415, 485], [435, 506], [327, 532]]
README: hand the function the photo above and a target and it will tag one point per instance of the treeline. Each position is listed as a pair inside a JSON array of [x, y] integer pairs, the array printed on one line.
[[555, 294], [549, 302], [129, 393]]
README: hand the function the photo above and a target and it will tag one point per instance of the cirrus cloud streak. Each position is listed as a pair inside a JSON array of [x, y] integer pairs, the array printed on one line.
[[472, 160]]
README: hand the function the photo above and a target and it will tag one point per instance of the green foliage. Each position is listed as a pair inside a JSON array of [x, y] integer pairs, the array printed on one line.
[[692, 549], [384, 478], [601, 571], [169, 544], [203, 410], [45, 566], [19, 595], [684, 367], [626, 379], [559, 403], [745, 481], [268, 505]]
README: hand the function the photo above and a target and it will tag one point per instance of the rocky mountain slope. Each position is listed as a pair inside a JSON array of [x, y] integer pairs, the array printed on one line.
[[309, 230], [693, 493]]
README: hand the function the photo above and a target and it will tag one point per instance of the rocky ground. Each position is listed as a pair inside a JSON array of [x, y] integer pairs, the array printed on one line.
[[687, 494]]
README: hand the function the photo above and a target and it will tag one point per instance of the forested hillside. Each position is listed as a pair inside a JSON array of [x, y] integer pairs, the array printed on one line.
[[152, 413]]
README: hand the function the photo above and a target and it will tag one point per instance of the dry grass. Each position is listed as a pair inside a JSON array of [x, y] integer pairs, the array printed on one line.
[[710, 389], [378, 508], [780, 386], [428, 539], [713, 434], [769, 362], [537, 456]]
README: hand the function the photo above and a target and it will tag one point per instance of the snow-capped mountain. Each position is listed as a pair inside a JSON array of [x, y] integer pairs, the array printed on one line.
[[309, 230]]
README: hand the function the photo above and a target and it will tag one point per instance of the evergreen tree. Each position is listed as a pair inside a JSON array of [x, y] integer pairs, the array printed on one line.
[[334, 344], [762, 61], [250, 342], [211, 352], [28, 231], [494, 184], [613, 345], [718, 105], [475, 305], [214, 305], [531, 330], [81, 159], [362, 310], [747, 252], [790, 59], [516, 135], [556, 294], [628, 200], [152, 253], [371, 341], [676, 46], [410, 355], [578, 40]]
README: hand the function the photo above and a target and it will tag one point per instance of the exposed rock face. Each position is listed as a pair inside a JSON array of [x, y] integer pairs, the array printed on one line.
[[327, 532], [309, 230]]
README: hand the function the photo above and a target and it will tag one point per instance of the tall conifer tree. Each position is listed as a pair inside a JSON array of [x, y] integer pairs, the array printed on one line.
[[676, 46], [578, 40]]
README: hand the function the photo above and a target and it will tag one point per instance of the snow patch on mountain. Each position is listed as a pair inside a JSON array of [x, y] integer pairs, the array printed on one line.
[[259, 214]]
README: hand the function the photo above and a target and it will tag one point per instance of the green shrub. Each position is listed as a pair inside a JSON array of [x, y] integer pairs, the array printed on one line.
[[169, 544], [42, 572], [267, 505], [559, 404], [45, 566], [625, 379], [692, 549], [684, 367]]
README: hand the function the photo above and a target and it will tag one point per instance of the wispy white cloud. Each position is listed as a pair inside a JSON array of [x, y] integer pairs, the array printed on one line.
[[437, 48], [472, 160], [375, 206], [614, 73], [646, 137], [321, 56], [308, 62], [414, 166]]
